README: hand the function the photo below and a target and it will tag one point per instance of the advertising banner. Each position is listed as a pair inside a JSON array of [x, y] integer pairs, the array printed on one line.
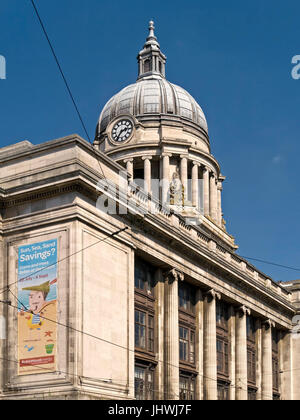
[[37, 307]]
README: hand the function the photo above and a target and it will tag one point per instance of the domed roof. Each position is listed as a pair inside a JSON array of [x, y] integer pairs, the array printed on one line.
[[152, 94]]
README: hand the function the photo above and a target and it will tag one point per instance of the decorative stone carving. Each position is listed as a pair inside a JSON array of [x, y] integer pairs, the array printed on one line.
[[173, 275], [243, 310], [213, 294]]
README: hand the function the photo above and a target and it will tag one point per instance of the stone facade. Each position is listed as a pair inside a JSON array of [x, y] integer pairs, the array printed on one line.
[[165, 309]]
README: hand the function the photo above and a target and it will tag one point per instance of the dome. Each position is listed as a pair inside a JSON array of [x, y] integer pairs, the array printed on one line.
[[153, 95]]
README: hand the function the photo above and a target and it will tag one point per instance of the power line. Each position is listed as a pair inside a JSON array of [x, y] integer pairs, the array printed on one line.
[[64, 78], [63, 259], [271, 263], [60, 69]]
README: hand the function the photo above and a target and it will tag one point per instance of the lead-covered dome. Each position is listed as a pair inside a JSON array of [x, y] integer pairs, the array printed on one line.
[[153, 95]]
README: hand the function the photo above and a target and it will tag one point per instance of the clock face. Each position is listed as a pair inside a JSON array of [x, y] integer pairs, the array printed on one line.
[[122, 130]]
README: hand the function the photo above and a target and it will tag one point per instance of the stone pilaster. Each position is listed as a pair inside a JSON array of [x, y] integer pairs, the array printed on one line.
[[285, 366], [267, 371], [210, 345], [171, 350], [241, 381]]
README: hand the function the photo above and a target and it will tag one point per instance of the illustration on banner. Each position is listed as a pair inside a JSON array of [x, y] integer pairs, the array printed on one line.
[[37, 307]]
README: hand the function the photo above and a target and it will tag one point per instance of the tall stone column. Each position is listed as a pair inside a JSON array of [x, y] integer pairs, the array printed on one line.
[[129, 167], [195, 183], [206, 190], [184, 175], [220, 215], [159, 335], [165, 177], [147, 174], [258, 326], [213, 197], [232, 332], [172, 334], [210, 345], [199, 344], [267, 370], [241, 353]]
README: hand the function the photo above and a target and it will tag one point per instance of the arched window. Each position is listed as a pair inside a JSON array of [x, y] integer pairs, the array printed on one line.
[[147, 66]]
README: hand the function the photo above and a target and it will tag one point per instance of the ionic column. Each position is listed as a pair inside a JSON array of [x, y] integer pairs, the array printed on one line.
[[184, 175], [213, 197], [206, 190], [129, 167], [241, 377], [210, 346], [147, 173], [171, 346], [165, 177], [267, 369], [195, 183]]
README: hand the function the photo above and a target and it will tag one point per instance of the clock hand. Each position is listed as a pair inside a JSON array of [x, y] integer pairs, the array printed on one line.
[[120, 135]]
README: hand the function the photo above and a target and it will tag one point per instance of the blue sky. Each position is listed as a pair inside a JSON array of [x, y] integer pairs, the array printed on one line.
[[234, 57]]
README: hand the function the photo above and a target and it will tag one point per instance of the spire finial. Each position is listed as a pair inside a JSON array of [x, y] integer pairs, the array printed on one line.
[[151, 29], [151, 60]]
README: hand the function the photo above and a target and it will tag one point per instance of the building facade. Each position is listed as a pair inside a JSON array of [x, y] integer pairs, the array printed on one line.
[[118, 278]]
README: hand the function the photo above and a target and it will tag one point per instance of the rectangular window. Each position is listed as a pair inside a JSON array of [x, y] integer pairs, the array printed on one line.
[[186, 345], [144, 331], [186, 297], [223, 391], [151, 333], [143, 383], [251, 394], [222, 315], [143, 276], [186, 388], [140, 329], [222, 356]]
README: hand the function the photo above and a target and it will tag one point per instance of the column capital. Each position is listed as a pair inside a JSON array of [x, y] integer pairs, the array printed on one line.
[[213, 175], [213, 294], [268, 323], [243, 310], [147, 157], [195, 163], [184, 156], [173, 275], [128, 160], [166, 155]]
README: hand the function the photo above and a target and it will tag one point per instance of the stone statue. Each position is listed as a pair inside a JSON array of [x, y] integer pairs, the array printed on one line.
[[176, 191]]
